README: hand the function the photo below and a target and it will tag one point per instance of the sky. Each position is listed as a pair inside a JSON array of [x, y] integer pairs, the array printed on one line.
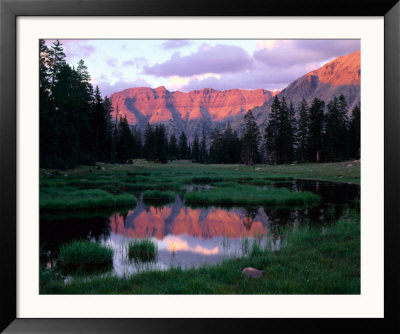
[[186, 65]]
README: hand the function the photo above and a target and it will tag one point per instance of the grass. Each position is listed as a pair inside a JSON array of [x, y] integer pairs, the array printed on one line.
[[111, 185], [314, 260], [73, 199], [250, 195], [142, 250], [84, 256], [157, 195]]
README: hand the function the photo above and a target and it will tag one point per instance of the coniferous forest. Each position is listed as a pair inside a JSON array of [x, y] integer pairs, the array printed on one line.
[[76, 127]]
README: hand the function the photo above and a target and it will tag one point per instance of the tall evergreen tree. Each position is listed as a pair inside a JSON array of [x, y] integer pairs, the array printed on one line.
[[284, 140], [215, 146], [250, 140], [125, 141], [149, 143], [173, 149], [160, 144], [203, 155], [316, 123], [196, 149], [336, 129], [183, 147], [354, 129], [302, 134], [272, 131], [137, 143], [293, 133], [110, 147]]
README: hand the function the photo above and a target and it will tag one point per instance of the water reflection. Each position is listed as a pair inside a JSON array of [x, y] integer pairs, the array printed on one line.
[[188, 236]]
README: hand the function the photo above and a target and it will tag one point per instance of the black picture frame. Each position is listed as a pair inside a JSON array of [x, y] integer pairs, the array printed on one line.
[[10, 10]]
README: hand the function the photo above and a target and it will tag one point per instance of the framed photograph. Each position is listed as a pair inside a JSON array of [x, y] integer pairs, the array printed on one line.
[[177, 167]]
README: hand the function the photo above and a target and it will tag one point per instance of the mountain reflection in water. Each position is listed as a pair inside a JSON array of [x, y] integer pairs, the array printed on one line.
[[191, 237]]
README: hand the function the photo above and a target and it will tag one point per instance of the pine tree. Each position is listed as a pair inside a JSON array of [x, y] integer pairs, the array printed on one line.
[[137, 144], [48, 126], [100, 126], [316, 121], [215, 146], [183, 147], [303, 127], [355, 138], [125, 141], [173, 149], [293, 133], [149, 143], [250, 140], [110, 148], [271, 131], [284, 141], [160, 144], [336, 129], [56, 61], [196, 149], [203, 150]]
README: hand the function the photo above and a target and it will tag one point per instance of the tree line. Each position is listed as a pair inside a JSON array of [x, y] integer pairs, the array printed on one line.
[[76, 127], [317, 133]]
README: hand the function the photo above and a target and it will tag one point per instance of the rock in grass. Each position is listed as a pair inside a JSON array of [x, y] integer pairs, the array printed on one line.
[[252, 272]]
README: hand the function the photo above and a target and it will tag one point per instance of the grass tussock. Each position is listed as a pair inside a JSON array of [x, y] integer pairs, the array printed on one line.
[[142, 250], [74, 199], [250, 195], [84, 256], [157, 195]]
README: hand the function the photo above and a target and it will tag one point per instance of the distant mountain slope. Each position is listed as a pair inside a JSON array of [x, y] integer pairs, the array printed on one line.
[[201, 110], [339, 76], [193, 111]]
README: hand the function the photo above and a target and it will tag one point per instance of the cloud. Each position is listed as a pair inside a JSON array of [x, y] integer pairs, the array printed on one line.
[[260, 76], [112, 62], [216, 59], [137, 61], [107, 89], [303, 52], [175, 44]]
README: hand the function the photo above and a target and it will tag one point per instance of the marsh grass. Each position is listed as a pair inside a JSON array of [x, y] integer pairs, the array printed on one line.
[[74, 199], [84, 256], [158, 197], [250, 195], [142, 250], [207, 180]]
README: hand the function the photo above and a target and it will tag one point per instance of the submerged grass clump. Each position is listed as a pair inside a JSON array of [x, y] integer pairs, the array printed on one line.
[[142, 250], [74, 199], [248, 195], [84, 256]]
